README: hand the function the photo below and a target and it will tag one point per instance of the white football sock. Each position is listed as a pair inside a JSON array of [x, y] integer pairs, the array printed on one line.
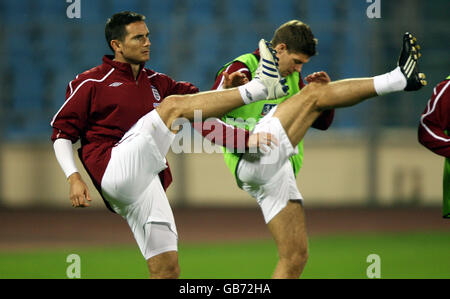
[[390, 82], [253, 91]]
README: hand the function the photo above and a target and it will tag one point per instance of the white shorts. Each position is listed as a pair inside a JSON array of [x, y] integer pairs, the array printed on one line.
[[132, 186], [269, 178]]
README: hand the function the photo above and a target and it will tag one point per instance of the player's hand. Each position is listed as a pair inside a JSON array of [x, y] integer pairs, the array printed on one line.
[[262, 141], [79, 193], [234, 79], [318, 77]]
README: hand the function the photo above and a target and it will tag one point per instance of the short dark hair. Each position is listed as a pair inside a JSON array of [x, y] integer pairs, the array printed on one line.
[[297, 36], [115, 26]]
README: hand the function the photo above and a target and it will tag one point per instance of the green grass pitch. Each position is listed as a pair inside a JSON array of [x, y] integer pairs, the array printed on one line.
[[402, 255]]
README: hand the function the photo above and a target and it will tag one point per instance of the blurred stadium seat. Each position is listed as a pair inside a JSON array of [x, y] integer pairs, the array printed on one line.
[[50, 11], [94, 12], [15, 12], [206, 41], [159, 11], [239, 12], [26, 101], [54, 44], [201, 12], [128, 5], [93, 46], [278, 12], [28, 85]]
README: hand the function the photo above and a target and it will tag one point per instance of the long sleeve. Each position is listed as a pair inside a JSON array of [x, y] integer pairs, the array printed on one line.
[[64, 156], [435, 120], [178, 87], [223, 134], [324, 121]]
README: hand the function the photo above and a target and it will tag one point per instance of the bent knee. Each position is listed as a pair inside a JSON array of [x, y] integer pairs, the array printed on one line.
[[301, 257], [170, 109], [297, 258], [313, 96]]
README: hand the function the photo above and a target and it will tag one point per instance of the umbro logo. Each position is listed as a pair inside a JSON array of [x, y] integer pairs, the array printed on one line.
[[115, 84]]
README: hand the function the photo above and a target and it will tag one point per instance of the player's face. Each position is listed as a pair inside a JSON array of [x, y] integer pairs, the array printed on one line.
[[290, 62], [135, 48]]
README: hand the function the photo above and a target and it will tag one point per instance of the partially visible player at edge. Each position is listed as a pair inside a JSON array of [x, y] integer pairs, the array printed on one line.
[[123, 114], [273, 185], [434, 133]]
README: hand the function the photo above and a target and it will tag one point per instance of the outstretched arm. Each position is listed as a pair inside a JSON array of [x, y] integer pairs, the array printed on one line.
[[323, 122], [233, 138]]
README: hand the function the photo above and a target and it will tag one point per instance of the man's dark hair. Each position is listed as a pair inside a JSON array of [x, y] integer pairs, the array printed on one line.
[[115, 26], [297, 36]]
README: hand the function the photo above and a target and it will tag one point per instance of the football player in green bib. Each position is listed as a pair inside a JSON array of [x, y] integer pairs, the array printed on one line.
[[269, 175]]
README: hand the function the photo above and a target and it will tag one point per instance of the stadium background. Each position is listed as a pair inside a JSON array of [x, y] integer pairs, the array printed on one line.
[[366, 174]]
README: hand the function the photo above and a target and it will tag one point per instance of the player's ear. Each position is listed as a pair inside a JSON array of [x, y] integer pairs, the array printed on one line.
[[281, 47], [116, 45]]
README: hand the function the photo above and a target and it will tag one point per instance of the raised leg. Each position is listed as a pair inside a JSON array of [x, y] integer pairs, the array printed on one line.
[[299, 112]]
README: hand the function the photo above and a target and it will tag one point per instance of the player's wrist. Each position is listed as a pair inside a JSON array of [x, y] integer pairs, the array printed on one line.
[[74, 177]]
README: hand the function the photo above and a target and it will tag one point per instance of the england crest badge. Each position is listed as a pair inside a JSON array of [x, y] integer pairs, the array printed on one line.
[[156, 93]]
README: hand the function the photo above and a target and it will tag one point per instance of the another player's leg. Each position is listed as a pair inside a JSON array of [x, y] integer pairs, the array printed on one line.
[[289, 232], [299, 112], [267, 84]]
